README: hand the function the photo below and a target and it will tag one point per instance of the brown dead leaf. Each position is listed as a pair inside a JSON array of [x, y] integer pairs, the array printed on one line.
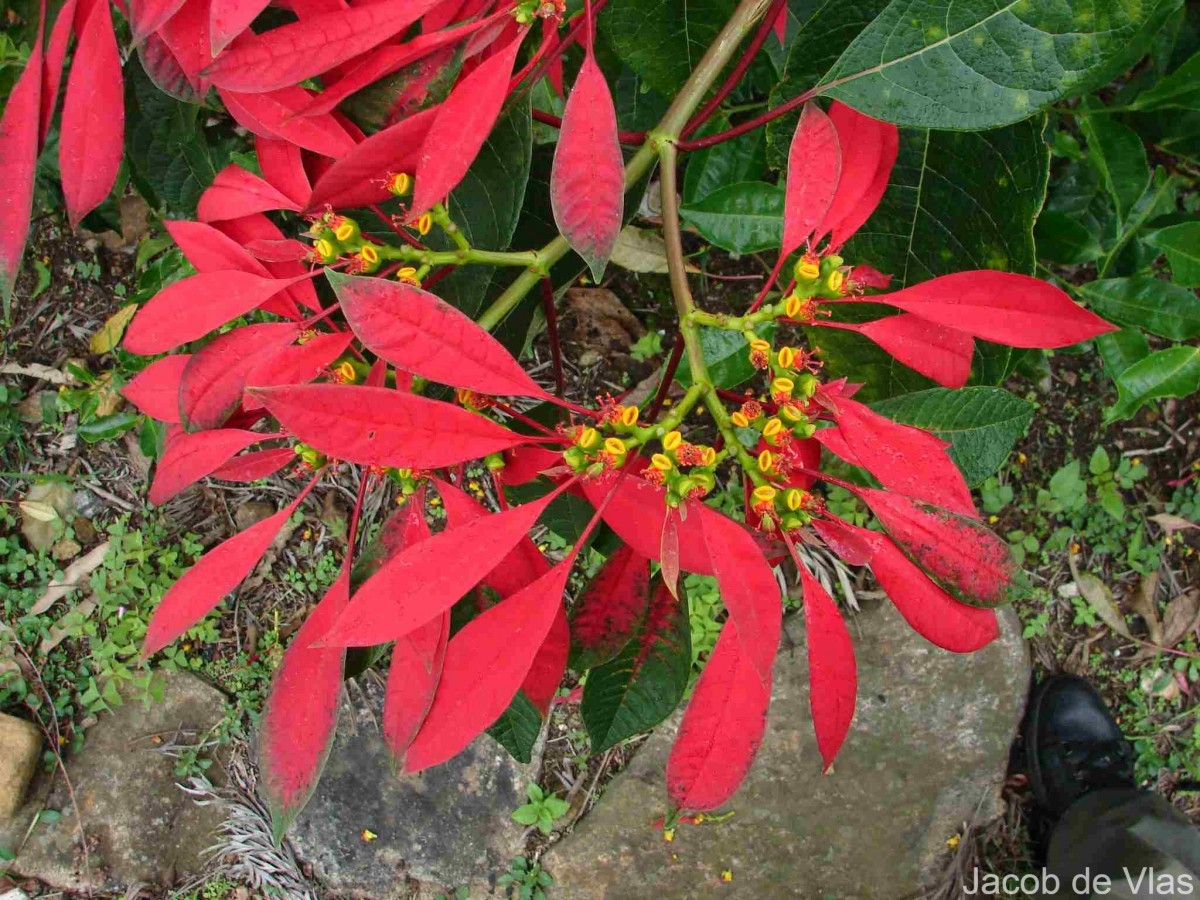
[[1170, 523], [109, 334], [1143, 603], [1181, 618], [74, 577], [37, 370], [641, 250], [43, 511], [602, 323], [70, 620], [1100, 598]]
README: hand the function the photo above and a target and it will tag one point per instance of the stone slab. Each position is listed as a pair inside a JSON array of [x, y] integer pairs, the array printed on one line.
[[20, 750], [927, 752]]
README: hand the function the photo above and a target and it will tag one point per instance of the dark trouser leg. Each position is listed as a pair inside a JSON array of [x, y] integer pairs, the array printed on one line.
[[1125, 835]]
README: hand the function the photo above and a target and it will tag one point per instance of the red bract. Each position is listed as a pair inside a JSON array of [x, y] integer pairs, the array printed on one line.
[[19, 149], [189, 457], [155, 390], [607, 614], [213, 380], [814, 172]]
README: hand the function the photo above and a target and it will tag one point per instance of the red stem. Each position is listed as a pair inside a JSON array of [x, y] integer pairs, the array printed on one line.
[[664, 386], [749, 125], [521, 417], [567, 40], [437, 276], [560, 382], [632, 138], [735, 77], [768, 284], [400, 232]]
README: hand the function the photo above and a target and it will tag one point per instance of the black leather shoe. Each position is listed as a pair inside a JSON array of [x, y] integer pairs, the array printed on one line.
[[1073, 744]]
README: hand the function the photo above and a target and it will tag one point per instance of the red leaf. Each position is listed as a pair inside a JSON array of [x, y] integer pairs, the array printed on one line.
[[282, 165], [425, 335], [855, 546], [813, 172], [462, 124], [206, 583], [52, 70], [236, 192], [19, 150], [748, 589], [889, 147], [832, 672], [147, 16], [215, 376], [382, 427], [210, 250], [587, 180], [869, 276], [189, 309], [608, 612], [426, 579], [229, 18], [861, 140], [92, 130], [155, 389], [286, 56], [277, 251], [257, 464], [937, 352], [959, 554], [549, 665], [186, 35], [301, 714], [721, 730], [358, 178], [297, 364], [277, 115], [189, 457], [416, 669], [257, 227], [501, 642], [1017, 310], [903, 458]]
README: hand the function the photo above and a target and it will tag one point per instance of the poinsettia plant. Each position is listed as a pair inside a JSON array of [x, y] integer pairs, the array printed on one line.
[[327, 327]]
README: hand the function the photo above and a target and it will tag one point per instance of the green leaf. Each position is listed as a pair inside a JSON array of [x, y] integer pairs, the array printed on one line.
[[663, 40], [1174, 372], [726, 355], [1099, 463], [740, 218], [1179, 90], [1119, 156], [108, 427], [1181, 243], [518, 728], [1065, 239], [1121, 349], [1146, 302], [981, 424], [644, 683], [979, 63], [709, 170]]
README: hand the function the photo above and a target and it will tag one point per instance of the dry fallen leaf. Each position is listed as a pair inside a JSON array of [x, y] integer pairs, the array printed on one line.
[[1170, 523], [639, 250], [1100, 598], [110, 333], [38, 511], [1181, 618], [1145, 606], [74, 576], [37, 370], [61, 629]]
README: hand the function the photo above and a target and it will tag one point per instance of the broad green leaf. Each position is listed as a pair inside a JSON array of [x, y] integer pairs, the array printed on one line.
[[1157, 200], [981, 63], [740, 218], [709, 170], [981, 424], [639, 106], [1146, 302], [726, 356], [1118, 154], [1179, 90], [1174, 372], [1121, 349], [663, 40], [518, 728], [644, 683], [1064, 239], [1181, 243]]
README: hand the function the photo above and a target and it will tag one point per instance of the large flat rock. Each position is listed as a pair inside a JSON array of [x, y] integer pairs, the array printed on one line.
[[141, 827], [926, 753], [450, 825]]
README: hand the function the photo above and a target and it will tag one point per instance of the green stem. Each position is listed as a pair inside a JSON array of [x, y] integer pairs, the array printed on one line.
[[465, 256], [441, 216]]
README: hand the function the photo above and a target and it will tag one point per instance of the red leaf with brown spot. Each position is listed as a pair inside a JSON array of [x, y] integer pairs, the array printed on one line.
[[382, 427], [462, 124], [206, 583], [426, 579], [189, 457], [277, 115], [358, 178], [92, 131], [257, 464], [155, 389], [961, 555], [236, 192], [748, 588], [423, 334], [813, 172], [501, 642], [832, 671], [608, 612], [288, 55], [301, 714], [937, 352], [903, 458], [587, 179], [298, 364], [1017, 310], [215, 377], [19, 150], [722, 728]]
